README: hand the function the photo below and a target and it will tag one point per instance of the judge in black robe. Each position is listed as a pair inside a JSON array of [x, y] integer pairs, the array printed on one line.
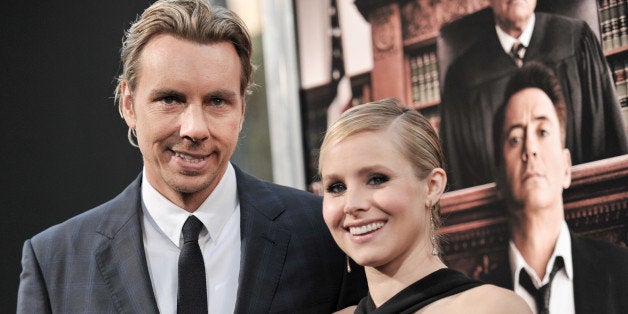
[[475, 84]]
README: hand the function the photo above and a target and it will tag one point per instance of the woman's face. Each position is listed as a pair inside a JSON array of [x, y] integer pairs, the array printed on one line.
[[374, 205]]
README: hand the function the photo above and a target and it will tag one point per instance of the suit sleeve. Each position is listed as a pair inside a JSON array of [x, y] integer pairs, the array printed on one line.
[[603, 131], [32, 295]]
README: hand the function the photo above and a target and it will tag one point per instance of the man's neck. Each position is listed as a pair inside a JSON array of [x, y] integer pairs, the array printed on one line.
[[535, 233], [512, 28]]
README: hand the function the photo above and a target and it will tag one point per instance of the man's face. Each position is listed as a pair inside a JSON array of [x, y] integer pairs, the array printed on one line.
[[187, 111], [536, 167], [513, 12]]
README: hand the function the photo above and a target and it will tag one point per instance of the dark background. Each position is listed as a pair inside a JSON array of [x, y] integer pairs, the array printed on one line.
[[64, 144]]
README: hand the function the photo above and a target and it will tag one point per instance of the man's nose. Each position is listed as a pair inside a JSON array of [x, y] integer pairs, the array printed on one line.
[[194, 125], [530, 148]]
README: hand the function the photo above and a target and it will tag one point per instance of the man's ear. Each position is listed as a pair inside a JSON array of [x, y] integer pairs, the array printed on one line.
[[243, 113], [128, 112], [567, 175], [436, 182]]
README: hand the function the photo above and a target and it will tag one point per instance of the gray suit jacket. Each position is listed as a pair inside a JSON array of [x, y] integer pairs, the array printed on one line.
[[600, 281], [95, 262]]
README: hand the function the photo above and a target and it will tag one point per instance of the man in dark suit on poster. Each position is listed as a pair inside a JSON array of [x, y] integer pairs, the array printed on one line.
[[192, 233], [475, 83], [546, 261]]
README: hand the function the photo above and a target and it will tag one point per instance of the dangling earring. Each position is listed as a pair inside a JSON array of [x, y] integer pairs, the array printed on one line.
[[434, 249], [432, 228], [348, 265]]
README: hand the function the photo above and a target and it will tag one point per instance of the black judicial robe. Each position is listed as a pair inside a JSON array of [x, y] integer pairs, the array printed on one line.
[[476, 81]]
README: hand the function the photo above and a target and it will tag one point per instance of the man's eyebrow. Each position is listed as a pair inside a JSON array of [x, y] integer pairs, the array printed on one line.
[[512, 127], [521, 125], [159, 93], [221, 93]]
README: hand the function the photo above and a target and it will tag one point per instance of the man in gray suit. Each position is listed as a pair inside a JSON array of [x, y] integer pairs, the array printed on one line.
[[265, 248], [549, 266]]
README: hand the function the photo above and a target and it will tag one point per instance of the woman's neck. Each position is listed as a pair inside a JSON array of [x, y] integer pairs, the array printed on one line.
[[386, 281]]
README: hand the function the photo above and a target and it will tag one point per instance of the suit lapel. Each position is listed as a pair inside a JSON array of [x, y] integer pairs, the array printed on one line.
[[589, 291], [120, 256], [264, 245]]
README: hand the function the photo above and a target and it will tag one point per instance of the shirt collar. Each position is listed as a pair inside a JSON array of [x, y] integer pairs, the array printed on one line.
[[562, 248], [507, 41], [213, 212]]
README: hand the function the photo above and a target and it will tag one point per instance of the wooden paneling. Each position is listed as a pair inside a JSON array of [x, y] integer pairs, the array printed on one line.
[[475, 232]]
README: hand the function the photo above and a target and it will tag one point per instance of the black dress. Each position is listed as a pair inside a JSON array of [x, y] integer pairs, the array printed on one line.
[[435, 286]]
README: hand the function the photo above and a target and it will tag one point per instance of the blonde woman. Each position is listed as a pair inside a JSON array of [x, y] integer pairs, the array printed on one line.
[[382, 174]]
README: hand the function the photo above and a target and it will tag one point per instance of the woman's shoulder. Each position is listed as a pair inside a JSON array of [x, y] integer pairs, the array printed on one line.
[[493, 299], [481, 299]]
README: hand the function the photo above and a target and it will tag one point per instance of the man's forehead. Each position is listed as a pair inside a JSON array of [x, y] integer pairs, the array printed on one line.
[[529, 105]]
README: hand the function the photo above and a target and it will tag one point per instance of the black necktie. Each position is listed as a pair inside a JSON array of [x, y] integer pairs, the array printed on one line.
[[541, 295], [516, 53], [192, 296]]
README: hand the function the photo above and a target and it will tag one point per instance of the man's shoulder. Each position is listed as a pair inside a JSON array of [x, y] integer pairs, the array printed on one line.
[[255, 188], [117, 210], [560, 27], [552, 18], [604, 250]]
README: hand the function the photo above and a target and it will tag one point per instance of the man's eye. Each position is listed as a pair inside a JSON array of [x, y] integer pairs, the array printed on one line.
[[336, 188], [514, 140], [378, 179], [169, 100], [217, 102], [544, 133]]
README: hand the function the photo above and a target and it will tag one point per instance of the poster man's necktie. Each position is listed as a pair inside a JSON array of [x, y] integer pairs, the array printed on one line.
[[516, 53], [541, 295]]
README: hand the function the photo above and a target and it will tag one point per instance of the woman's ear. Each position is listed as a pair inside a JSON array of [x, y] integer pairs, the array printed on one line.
[[436, 182]]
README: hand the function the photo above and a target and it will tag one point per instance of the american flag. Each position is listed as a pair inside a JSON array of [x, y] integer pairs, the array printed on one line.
[[339, 81]]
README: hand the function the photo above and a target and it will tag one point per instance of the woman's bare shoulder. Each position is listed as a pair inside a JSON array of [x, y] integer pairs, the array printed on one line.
[[482, 299], [493, 299]]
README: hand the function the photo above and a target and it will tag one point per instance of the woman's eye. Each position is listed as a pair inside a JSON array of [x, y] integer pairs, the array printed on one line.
[[378, 179], [336, 188], [544, 133]]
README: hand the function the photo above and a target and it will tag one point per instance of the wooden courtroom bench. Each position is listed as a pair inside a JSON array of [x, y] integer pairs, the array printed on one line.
[[475, 229]]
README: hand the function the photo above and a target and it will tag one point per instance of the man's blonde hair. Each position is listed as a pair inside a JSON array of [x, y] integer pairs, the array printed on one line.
[[195, 20]]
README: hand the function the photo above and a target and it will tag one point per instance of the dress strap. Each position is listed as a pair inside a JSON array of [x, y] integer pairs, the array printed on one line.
[[435, 286]]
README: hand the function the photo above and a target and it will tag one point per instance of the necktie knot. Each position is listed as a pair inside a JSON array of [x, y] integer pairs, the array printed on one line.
[[191, 229], [516, 52], [542, 294]]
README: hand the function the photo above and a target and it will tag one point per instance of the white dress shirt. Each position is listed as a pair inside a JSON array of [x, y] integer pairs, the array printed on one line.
[[561, 297], [507, 41], [219, 241]]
